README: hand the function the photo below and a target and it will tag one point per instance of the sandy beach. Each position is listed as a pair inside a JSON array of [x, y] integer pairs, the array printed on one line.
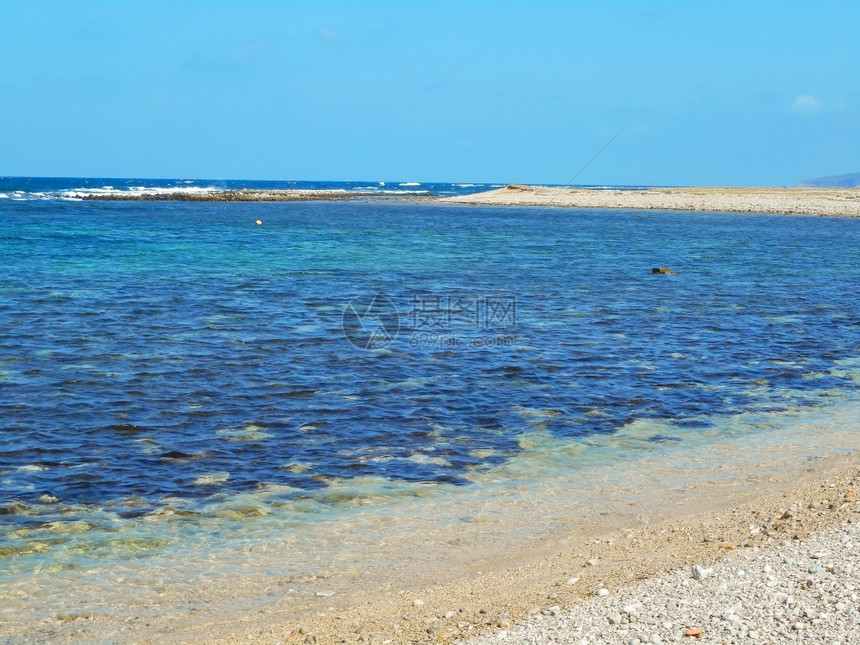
[[751, 496], [840, 202], [550, 576]]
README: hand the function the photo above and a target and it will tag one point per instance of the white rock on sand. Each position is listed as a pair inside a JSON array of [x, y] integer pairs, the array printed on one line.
[[798, 591], [784, 567]]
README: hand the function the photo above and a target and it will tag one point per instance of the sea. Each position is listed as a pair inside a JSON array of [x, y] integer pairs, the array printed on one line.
[[211, 406]]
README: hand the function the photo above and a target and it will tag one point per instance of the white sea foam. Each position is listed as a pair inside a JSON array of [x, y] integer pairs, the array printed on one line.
[[320, 191], [108, 191], [80, 193], [410, 183], [22, 195]]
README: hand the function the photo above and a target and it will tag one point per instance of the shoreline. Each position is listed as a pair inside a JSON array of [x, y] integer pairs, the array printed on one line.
[[562, 574], [453, 568], [835, 202], [731, 498]]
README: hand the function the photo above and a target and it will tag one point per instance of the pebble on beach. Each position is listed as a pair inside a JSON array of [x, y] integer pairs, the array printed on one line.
[[791, 591]]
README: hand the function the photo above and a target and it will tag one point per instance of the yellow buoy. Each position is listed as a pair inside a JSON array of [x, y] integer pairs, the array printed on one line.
[[259, 221]]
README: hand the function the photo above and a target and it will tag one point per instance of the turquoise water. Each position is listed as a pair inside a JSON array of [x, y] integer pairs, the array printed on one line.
[[173, 375]]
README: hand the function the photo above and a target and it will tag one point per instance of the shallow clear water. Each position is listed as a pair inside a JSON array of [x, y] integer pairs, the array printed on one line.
[[173, 375]]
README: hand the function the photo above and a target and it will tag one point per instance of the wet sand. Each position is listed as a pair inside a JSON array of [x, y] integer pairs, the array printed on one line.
[[839, 202]]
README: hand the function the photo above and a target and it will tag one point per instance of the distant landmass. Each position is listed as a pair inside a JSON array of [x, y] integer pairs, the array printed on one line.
[[836, 181]]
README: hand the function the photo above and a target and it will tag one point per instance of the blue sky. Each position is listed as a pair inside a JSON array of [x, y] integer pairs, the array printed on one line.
[[752, 93]]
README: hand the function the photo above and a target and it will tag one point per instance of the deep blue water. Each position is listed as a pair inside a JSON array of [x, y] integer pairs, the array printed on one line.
[[157, 354]]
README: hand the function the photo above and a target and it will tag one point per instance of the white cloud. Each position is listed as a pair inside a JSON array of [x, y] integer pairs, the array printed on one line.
[[806, 104]]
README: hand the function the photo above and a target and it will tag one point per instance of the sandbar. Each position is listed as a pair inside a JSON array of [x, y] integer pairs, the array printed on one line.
[[836, 202]]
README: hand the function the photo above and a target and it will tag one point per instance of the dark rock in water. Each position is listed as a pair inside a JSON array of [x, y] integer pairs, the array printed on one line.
[[662, 271], [176, 454]]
